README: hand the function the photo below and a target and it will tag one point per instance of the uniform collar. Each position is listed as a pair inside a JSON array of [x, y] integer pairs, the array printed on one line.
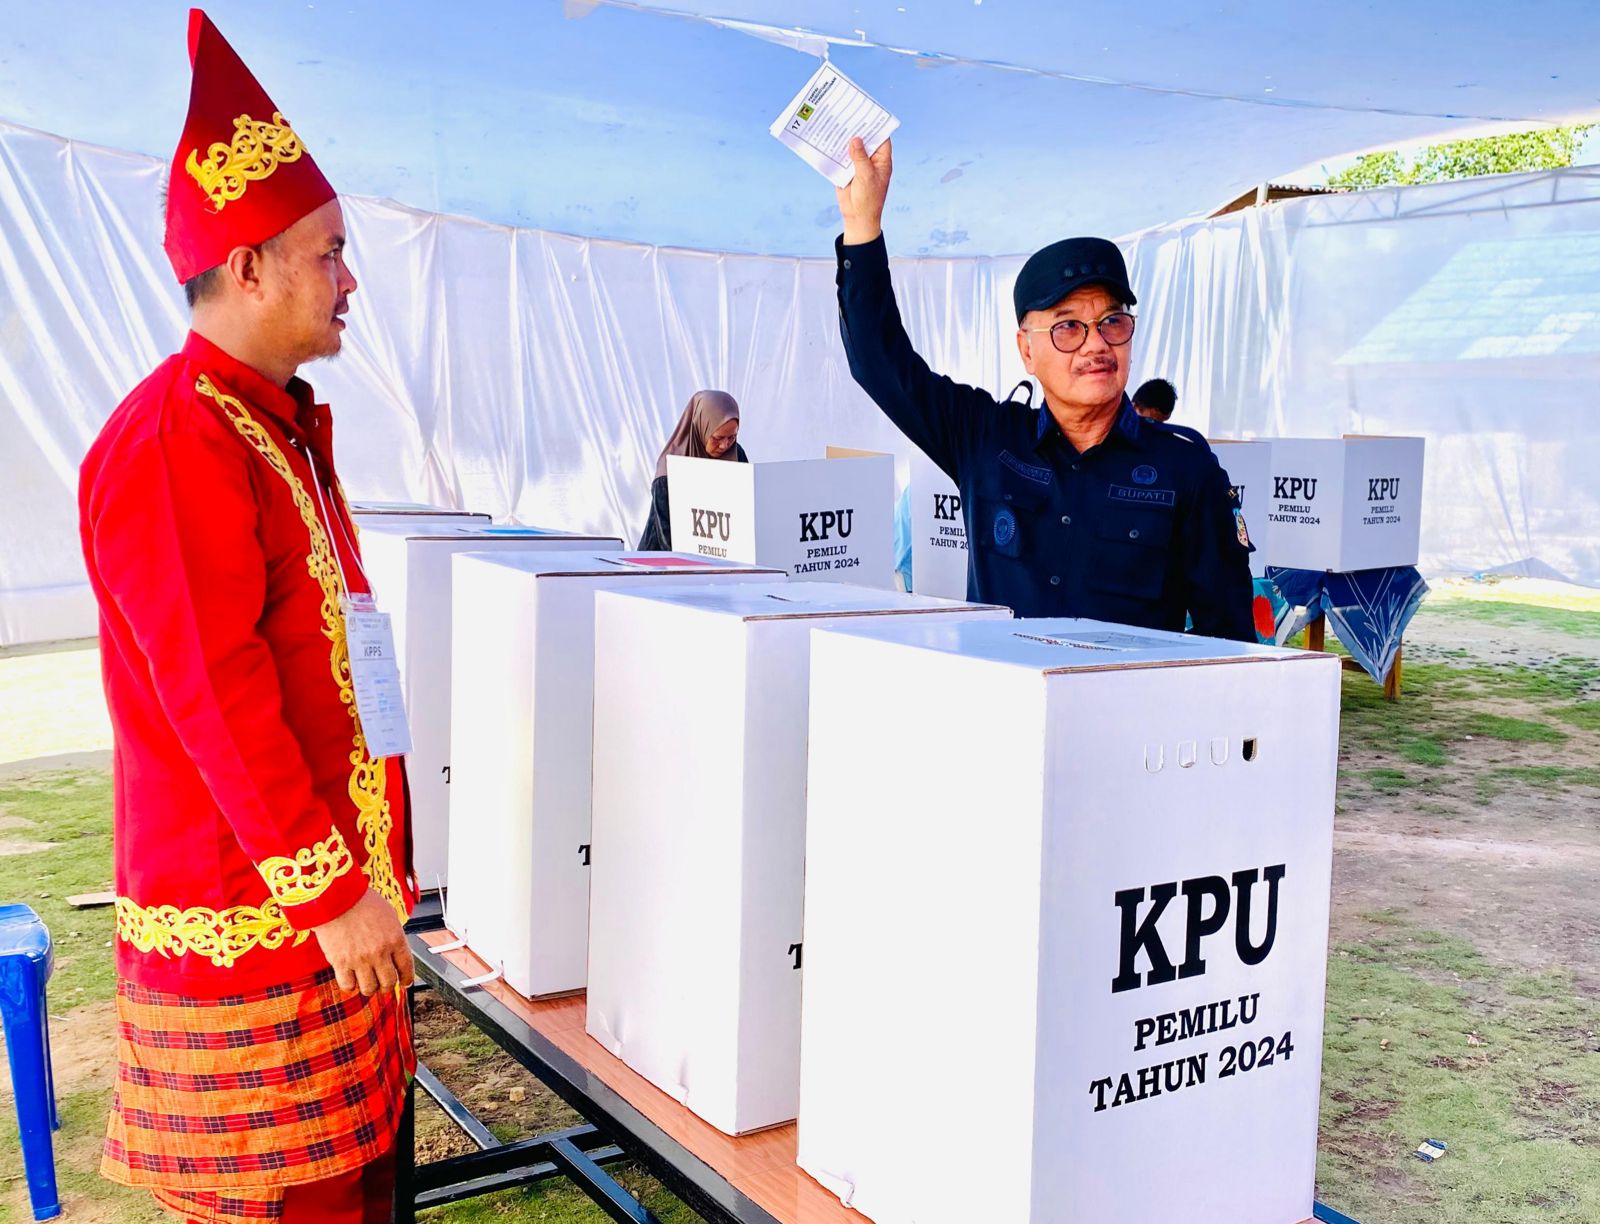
[[293, 405], [1129, 426]]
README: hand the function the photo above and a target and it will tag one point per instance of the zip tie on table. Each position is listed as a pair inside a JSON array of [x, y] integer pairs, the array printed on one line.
[[484, 979]]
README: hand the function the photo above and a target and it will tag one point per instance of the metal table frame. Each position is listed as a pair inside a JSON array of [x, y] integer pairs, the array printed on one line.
[[613, 1129]]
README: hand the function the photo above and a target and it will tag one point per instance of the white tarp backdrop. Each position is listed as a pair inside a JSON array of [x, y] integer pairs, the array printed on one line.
[[535, 376]]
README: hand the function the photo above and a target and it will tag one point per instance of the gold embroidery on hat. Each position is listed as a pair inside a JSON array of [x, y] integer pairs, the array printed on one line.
[[258, 148]]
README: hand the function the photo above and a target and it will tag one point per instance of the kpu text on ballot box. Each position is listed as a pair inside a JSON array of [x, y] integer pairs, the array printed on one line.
[[1343, 504], [1249, 468], [409, 566], [828, 520], [938, 532], [522, 748], [1100, 858], [695, 956]]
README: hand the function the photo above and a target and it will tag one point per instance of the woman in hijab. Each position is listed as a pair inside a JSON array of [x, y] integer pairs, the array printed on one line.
[[708, 429]]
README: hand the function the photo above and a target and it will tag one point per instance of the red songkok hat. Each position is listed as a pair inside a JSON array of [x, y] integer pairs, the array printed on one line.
[[240, 175]]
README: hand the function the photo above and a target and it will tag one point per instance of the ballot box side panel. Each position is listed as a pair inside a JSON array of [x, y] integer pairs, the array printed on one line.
[[828, 519], [713, 505], [663, 977], [773, 871], [1195, 1045], [555, 896], [383, 560], [491, 752], [938, 532], [1249, 469], [554, 900], [1383, 502], [1304, 504], [428, 657], [923, 835], [772, 868]]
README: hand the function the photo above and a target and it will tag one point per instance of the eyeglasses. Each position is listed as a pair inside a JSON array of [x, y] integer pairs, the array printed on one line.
[[1069, 335]]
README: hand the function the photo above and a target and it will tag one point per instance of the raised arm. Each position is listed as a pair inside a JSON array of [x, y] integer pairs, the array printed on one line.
[[942, 417]]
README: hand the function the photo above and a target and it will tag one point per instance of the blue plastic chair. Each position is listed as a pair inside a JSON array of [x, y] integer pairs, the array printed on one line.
[[25, 962]]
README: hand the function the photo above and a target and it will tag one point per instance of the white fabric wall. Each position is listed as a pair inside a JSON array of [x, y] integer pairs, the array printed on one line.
[[534, 375]]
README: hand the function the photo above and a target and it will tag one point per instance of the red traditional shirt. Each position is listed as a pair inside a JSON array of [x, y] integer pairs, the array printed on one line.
[[248, 809]]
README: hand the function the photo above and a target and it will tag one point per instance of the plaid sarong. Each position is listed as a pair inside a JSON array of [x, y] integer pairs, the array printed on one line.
[[233, 1099]]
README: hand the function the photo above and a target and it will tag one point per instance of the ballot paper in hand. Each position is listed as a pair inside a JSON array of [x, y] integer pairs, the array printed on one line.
[[820, 122]]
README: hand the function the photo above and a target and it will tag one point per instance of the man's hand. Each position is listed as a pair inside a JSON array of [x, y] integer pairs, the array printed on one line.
[[366, 946], [861, 203]]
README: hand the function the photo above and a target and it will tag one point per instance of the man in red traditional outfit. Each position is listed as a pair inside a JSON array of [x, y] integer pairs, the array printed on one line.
[[261, 848]]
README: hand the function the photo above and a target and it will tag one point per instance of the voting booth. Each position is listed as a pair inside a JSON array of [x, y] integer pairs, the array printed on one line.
[[521, 748], [823, 519], [938, 532], [1344, 504], [695, 955], [1249, 469], [1104, 854]]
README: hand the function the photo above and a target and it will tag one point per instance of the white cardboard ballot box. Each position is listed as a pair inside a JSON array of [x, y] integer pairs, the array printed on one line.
[[1098, 856], [1344, 504], [823, 519], [1249, 468], [695, 960], [408, 565], [521, 749], [938, 532]]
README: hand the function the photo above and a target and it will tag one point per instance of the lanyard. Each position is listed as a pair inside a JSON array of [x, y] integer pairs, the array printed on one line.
[[328, 520]]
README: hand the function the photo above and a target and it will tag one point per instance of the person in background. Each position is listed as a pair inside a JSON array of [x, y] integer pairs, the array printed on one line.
[[708, 429], [1155, 400]]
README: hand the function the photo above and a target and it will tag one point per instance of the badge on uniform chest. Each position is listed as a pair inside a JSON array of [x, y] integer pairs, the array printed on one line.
[[1132, 496]]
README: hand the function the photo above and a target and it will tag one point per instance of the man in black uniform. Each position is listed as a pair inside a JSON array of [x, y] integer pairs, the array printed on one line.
[[1082, 508]]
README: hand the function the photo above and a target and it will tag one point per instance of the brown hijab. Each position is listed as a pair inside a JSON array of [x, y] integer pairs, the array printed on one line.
[[708, 411]]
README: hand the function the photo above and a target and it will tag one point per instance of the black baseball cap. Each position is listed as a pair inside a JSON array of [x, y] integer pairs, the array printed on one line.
[[1051, 274]]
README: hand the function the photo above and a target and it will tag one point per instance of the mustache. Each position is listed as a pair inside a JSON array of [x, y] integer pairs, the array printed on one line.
[[1094, 365]]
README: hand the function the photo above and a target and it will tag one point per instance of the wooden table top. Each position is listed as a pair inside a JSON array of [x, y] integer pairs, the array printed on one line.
[[760, 1166]]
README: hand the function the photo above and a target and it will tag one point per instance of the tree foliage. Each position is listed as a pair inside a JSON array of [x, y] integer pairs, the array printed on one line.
[[1546, 149]]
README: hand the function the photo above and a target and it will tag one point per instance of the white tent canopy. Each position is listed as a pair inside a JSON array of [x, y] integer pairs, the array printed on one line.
[[1023, 120]]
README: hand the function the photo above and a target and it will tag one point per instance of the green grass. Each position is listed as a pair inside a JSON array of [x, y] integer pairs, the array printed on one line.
[[1513, 730], [77, 1151], [1530, 616], [1585, 715], [1423, 750], [1426, 1039], [73, 810], [1388, 781]]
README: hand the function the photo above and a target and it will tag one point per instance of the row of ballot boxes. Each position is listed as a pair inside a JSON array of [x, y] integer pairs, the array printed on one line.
[[806, 843], [1336, 504]]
